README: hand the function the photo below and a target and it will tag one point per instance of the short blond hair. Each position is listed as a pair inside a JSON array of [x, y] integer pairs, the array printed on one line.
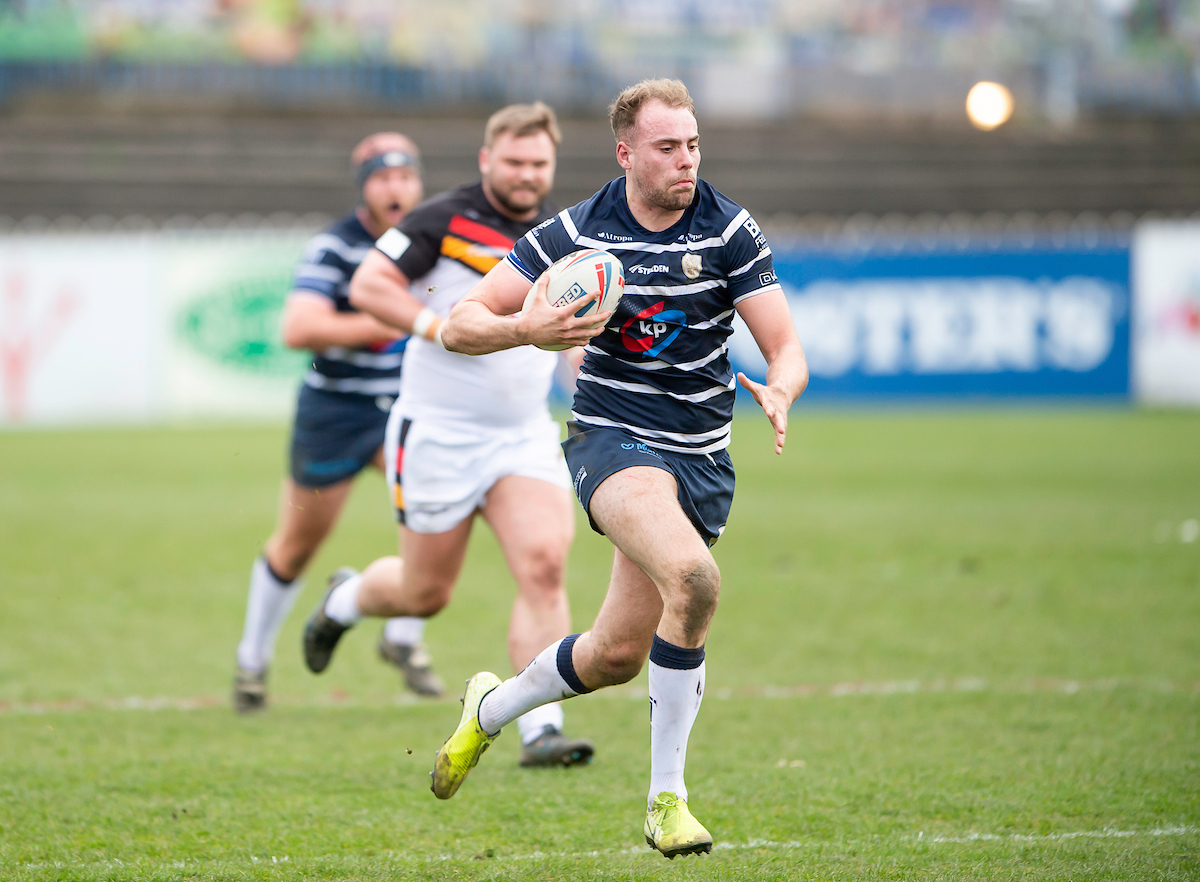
[[622, 113], [522, 120]]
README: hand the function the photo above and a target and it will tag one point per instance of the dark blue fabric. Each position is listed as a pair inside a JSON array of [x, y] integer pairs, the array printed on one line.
[[566, 667], [660, 370], [330, 259], [705, 481], [335, 435], [678, 658]]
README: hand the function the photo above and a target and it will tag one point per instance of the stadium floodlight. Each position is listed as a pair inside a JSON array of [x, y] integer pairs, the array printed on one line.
[[989, 105]]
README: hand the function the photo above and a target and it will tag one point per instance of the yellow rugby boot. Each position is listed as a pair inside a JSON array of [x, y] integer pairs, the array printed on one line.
[[463, 749], [671, 829]]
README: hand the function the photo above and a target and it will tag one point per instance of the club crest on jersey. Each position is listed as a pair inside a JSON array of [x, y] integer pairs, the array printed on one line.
[[691, 265], [653, 329]]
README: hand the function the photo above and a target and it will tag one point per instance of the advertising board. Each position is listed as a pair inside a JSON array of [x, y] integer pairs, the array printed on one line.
[[1166, 274], [920, 324]]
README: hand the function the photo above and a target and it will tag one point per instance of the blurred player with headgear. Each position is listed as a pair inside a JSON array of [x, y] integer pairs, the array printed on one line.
[[469, 435], [341, 414], [650, 425]]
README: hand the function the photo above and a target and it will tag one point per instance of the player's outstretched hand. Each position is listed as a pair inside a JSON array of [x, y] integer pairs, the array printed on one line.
[[556, 327], [774, 403]]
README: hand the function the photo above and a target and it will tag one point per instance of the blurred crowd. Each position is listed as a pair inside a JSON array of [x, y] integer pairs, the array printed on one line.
[[744, 57], [859, 35]]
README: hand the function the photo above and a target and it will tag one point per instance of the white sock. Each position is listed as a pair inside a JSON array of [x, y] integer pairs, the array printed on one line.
[[342, 605], [405, 630], [268, 605], [542, 682], [675, 696], [532, 724]]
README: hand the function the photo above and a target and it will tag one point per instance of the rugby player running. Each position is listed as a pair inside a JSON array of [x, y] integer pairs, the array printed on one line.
[[650, 424], [469, 435], [340, 415]]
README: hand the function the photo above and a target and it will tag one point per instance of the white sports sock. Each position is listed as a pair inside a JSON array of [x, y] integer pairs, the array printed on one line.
[[532, 724], [268, 605], [675, 696], [540, 683], [405, 630], [342, 605]]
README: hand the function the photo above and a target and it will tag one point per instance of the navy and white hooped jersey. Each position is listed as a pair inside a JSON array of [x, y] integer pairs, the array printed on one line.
[[330, 259], [660, 369]]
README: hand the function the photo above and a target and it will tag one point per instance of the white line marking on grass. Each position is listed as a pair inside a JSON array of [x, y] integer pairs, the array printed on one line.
[[1107, 833], [753, 844], [800, 690]]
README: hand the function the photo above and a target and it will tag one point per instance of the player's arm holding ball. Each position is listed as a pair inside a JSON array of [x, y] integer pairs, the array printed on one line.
[[481, 322]]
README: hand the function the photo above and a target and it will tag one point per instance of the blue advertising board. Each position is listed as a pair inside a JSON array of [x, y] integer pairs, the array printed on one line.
[[928, 324]]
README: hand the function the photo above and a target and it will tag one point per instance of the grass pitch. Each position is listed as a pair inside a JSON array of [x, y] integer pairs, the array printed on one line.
[[950, 645]]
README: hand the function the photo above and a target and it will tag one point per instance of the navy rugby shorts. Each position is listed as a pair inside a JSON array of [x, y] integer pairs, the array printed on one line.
[[336, 435], [705, 480]]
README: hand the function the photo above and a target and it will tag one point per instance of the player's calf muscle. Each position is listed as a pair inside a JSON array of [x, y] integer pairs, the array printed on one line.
[[613, 663]]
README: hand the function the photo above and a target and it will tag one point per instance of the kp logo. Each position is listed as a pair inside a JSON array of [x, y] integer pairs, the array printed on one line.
[[653, 329]]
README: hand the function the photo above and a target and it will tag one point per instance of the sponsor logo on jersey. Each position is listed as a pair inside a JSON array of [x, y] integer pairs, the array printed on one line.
[[613, 237], [647, 270], [768, 278], [759, 239], [641, 448], [653, 329], [691, 265]]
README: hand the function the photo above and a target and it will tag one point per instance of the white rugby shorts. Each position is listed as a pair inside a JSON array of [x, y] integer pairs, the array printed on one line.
[[439, 475]]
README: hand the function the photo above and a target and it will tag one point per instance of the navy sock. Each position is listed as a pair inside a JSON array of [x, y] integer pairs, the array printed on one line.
[[679, 658], [566, 667]]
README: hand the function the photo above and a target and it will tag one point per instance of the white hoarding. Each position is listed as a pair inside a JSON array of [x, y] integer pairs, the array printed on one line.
[[137, 328], [79, 339], [1166, 279]]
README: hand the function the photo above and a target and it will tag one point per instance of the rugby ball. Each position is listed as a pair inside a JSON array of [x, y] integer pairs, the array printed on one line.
[[581, 273]]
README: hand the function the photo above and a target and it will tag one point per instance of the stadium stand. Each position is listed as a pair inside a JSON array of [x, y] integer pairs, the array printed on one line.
[[60, 161]]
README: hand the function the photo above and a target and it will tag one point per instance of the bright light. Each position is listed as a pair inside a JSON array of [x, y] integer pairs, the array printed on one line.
[[989, 105]]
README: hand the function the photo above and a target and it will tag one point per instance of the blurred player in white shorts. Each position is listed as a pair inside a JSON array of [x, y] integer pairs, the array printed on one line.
[[468, 434], [447, 471]]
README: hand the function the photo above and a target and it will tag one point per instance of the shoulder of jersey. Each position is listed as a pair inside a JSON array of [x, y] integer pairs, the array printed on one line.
[[721, 204], [605, 196], [348, 228], [441, 205]]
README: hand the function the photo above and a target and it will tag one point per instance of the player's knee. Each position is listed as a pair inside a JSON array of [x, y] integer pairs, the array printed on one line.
[[430, 600], [543, 571], [698, 587]]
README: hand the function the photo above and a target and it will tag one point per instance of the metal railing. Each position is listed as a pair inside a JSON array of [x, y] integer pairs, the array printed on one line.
[[893, 231]]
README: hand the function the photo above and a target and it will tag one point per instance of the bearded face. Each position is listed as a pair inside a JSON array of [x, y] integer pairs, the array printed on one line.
[[518, 173]]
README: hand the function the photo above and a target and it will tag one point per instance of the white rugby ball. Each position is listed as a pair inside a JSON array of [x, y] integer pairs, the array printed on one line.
[[581, 273]]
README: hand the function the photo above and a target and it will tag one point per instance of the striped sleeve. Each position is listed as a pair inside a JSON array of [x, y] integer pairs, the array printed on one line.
[[750, 269], [541, 246], [324, 268]]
